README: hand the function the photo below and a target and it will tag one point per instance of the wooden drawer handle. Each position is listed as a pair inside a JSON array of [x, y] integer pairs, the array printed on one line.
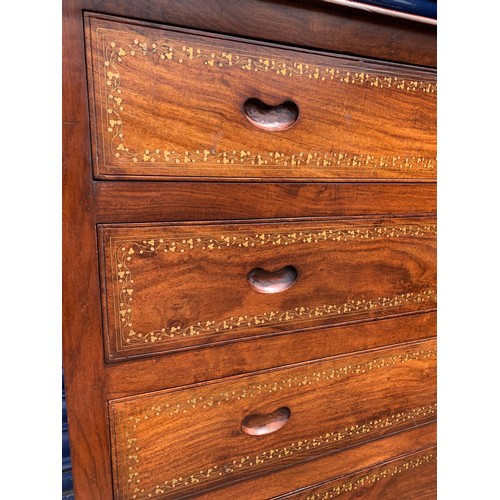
[[272, 282], [271, 118], [258, 425]]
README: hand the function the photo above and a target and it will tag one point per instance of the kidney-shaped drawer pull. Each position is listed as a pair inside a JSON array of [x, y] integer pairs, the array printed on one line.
[[258, 425], [264, 281], [271, 118]]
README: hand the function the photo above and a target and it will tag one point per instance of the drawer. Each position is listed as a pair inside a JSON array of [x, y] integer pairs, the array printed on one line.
[[401, 461], [411, 476], [172, 286], [172, 103], [174, 443]]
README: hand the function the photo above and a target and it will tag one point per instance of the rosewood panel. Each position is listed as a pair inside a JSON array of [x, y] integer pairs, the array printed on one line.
[[81, 319], [411, 476], [169, 287], [171, 104], [236, 358], [310, 23], [172, 443], [380, 414], [181, 201], [326, 468]]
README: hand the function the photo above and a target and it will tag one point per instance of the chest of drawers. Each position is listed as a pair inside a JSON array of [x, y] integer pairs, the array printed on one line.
[[249, 260]]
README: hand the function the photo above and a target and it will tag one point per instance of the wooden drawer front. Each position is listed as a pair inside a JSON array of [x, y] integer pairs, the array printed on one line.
[[411, 477], [338, 469], [170, 104], [172, 443], [174, 286]]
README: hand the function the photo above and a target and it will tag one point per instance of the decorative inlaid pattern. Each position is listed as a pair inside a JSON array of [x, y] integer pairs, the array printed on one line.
[[123, 252], [180, 405], [166, 50], [116, 49], [372, 478], [247, 462], [186, 406]]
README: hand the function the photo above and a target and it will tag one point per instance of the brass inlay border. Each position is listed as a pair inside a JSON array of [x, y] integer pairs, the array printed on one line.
[[372, 478], [162, 50], [247, 462], [200, 402], [185, 406], [123, 251], [178, 52]]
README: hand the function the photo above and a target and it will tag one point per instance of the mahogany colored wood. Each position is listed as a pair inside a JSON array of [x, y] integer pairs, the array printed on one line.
[[170, 104], [260, 425], [175, 286], [264, 281], [271, 118], [181, 201], [415, 473], [296, 28], [336, 465], [82, 338], [223, 360], [308, 23], [183, 441]]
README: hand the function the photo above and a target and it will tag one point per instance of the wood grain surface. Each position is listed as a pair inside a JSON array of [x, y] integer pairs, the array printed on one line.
[[414, 474], [236, 358], [171, 104], [175, 286], [325, 469], [307, 23], [181, 201], [176, 442], [298, 29], [82, 337]]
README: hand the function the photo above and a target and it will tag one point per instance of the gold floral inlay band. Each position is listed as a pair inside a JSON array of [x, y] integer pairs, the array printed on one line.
[[298, 447], [188, 405], [368, 479], [181, 404], [123, 252], [211, 56], [247, 462], [116, 49]]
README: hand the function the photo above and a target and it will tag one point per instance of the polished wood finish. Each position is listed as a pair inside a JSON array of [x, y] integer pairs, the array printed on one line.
[[223, 360], [271, 118], [82, 339], [260, 425], [415, 473], [314, 30], [308, 23], [336, 465], [187, 118], [180, 201], [176, 286], [278, 281], [190, 439]]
